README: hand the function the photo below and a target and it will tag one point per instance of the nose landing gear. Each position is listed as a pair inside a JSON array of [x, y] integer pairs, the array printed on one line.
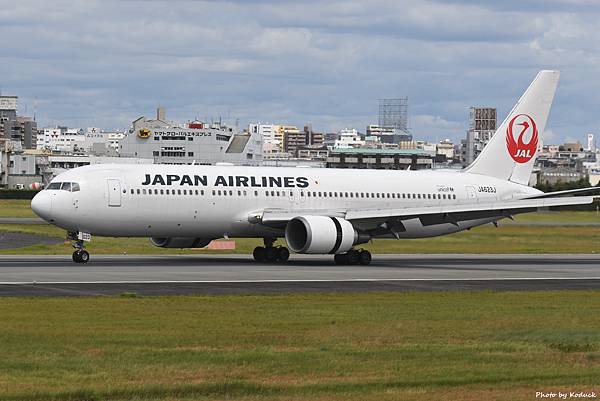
[[80, 255]]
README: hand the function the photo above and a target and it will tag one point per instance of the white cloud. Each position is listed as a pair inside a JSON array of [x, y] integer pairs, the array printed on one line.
[[98, 63]]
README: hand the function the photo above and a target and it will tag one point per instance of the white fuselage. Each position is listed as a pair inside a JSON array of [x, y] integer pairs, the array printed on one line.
[[217, 201]]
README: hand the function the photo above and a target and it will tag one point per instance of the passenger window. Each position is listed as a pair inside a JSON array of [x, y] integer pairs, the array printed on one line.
[[139, 191], [244, 192], [143, 191], [132, 191], [162, 191], [167, 192], [301, 193], [230, 193], [66, 186]]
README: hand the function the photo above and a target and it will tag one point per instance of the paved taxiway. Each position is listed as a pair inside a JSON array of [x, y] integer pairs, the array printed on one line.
[[211, 274]]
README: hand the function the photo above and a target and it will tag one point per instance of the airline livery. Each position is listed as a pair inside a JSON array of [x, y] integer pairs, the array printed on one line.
[[317, 211]]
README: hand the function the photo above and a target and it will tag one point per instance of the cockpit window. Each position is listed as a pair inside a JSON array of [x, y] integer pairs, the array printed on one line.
[[64, 186]]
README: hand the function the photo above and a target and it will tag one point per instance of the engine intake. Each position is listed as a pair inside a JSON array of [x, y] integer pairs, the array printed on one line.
[[180, 242], [320, 234]]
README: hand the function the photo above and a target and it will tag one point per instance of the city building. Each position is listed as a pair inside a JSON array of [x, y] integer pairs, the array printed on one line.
[[292, 138], [591, 143], [391, 159], [313, 138], [192, 143], [445, 148], [16, 128], [482, 126], [272, 138], [348, 138], [378, 133], [313, 152]]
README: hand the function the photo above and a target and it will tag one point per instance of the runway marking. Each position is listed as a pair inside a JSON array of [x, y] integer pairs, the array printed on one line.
[[358, 280]]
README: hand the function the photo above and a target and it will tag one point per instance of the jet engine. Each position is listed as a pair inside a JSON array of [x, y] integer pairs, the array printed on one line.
[[320, 234], [180, 242]]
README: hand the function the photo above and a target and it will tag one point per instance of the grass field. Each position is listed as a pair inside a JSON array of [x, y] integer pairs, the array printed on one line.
[[377, 346], [15, 208]]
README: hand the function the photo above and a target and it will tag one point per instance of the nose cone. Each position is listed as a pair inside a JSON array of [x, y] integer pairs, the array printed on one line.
[[41, 204]]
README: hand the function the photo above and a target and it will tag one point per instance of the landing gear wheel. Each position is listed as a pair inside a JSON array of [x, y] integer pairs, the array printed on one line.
[[271, 254], [260, 254], [81, 256], [84, 256], [283, 254], [353, 257], [340, 258], [364, 257]]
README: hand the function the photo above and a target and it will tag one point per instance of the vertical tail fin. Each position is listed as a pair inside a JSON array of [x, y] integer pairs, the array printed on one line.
[[511, 152]]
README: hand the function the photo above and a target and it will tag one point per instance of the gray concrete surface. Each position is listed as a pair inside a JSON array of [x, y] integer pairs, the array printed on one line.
[[210, 274]]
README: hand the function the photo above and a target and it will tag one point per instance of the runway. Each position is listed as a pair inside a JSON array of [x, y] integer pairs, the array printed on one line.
[[233, 274]]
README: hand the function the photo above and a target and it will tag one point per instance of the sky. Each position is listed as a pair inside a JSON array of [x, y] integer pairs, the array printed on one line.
[[105, 63]]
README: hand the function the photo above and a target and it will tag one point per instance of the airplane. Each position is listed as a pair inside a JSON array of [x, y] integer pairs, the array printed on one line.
[[316, 210]]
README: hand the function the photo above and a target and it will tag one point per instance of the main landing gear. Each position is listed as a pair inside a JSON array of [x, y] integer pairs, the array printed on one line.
[[270, 253], [80, 255], [353, 257]]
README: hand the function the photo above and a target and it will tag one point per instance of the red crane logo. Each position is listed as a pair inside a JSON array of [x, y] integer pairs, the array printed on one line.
[[520, 151]]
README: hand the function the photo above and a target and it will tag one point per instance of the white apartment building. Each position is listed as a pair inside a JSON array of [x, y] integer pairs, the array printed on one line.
[[272, 137], [74, 140], [61, 139], [349, 138]]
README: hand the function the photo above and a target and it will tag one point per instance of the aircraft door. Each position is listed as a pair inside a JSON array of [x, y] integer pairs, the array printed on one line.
[[114, 192], [297, 199]]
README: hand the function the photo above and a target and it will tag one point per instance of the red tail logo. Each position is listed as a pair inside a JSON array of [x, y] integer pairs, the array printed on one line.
[[520, 151]]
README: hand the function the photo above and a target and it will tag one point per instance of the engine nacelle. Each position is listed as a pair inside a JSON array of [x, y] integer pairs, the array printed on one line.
[[180, 242], [320, 234]]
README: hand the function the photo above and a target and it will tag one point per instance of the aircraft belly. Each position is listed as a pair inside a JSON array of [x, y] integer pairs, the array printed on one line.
[[415, 229]]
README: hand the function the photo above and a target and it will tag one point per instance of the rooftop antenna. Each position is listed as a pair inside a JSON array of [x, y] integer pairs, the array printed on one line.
[[34, 107]]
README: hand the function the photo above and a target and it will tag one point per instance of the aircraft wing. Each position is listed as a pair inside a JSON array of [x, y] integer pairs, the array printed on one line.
[[568, 192], [429, 215]]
